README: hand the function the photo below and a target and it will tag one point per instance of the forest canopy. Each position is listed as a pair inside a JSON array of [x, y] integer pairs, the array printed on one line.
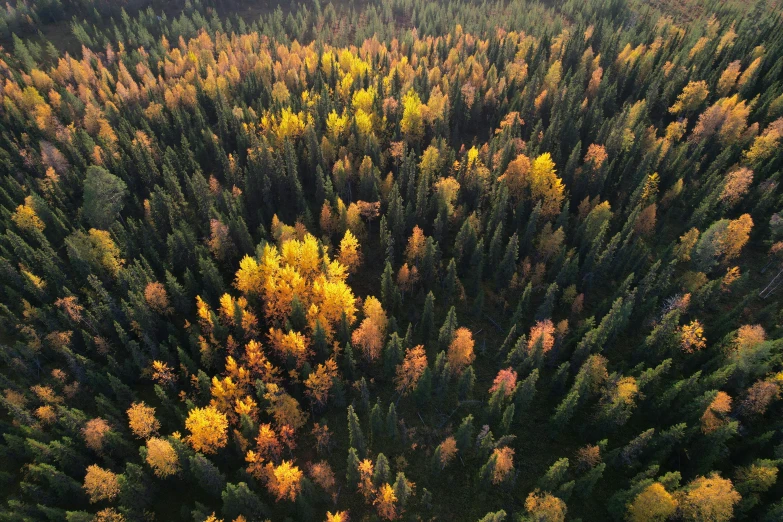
[[391, 260]]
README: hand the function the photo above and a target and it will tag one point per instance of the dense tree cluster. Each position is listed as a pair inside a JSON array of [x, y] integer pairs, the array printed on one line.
[[402, 260]]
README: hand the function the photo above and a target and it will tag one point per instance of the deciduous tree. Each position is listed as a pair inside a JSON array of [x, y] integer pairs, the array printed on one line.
[[208, 429]]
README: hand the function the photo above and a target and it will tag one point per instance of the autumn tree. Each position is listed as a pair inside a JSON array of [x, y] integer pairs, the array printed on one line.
[[546, 186], [101, 484], [541, 337], [284, 408], [722, 241], [715, 415], [653, 504], [414, 251], [411, 369], [372, 330], [545, 507], [412, 124], [350, 252], [95, 250], [736, 185], [759, 397], [322, 474], [284, 481], [94, 433], [691, 97], [208, 429], [503, 465], [162, 457], [337, 516], [516, 176], [708, 498], [692, 337], [157, 298], [320, 381], [460, 352], [26, 218], [445, 452], [507, 379]]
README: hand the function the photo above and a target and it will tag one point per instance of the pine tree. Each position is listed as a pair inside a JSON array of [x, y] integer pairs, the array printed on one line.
[[447, 331], [391, 422], [355, 435], [376, 422], [508, 263], [381, 472], [548, 305], [427, 322], [464, 434], [451, 282], [352, 468]]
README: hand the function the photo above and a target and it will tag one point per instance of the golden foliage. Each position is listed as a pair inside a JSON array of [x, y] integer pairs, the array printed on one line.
[[258, 364], [749, 336], [105, 250], [536, 180], [692, 337], [108, 515], [765, 144], [728, 78], [268, 443], [687, 241], [386, 502], [414, 252], [372, 330], [545, 507], [162, 457], [157, 298], [460, 353], [407, 277], [596, 156], [94, 432], [709, 498], [545, 186], [736, 236], [337, 516], [350, 252], [504, 464], [412, 123], [298, 269], [691, 97], [588, 456], [162, 373], [411, 369], [320, 381], [448, 450], [292, 344], [737, 184], [26, 218], [715, 415], [447, 190], [285, 481], [284, 408], [101, 484], [542, 332], [653, 504], [208, 429], [515, 176]]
